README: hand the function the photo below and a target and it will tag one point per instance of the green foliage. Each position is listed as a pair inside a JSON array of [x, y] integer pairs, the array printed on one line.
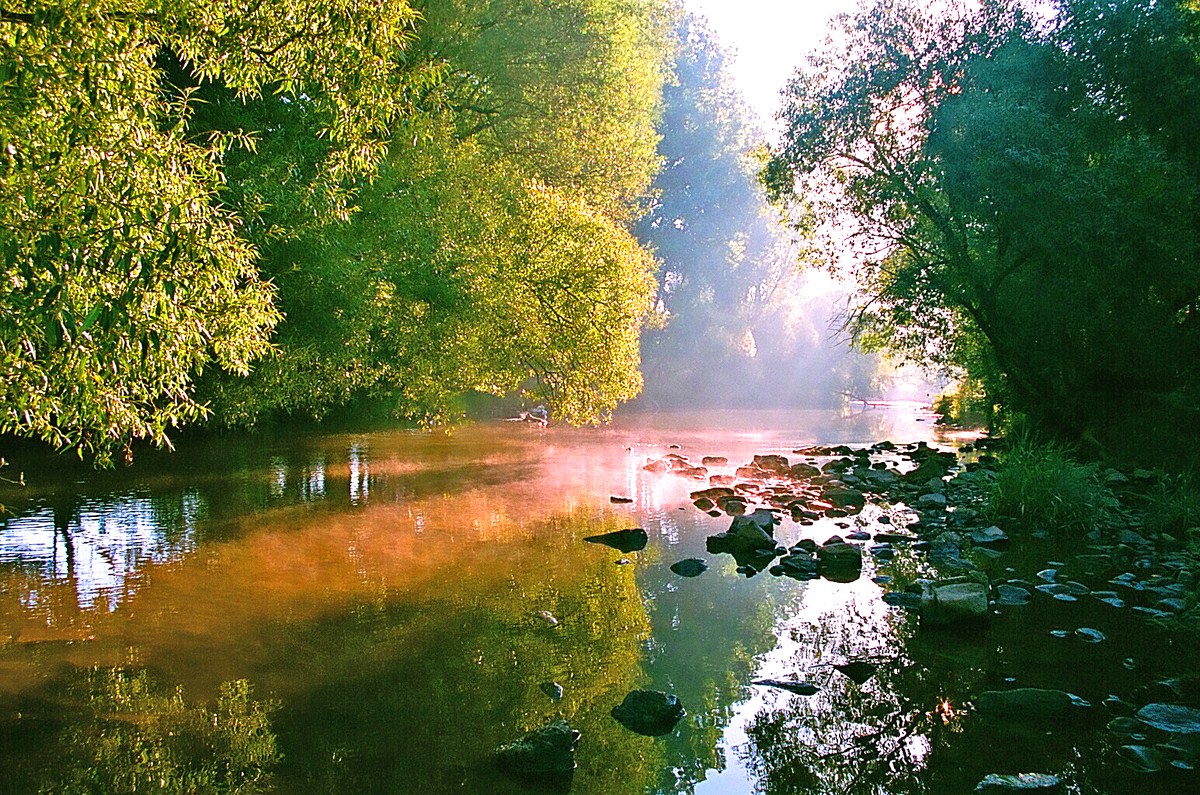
[[1040, 486], [136, 737], [1021, 199], [125, 273]]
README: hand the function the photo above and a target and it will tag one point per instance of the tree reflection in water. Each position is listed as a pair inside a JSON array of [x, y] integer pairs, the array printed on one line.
[[872, 737]]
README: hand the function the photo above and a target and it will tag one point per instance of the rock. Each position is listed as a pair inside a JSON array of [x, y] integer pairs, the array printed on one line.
[[953, 602], [1020, 782], [931, 501], [989, 536], [799, 688], [904, 599], [1090, 635], [546, 617], [1142, 758], [858, 535], [838, 561], [553, 690], [630, 540], [803, 471], [689, 567], [649, 712], [1026, 702], [756, 527], [546, 755], [844, 497], [1012, 595], [799, 565], [620, 500], [858, 671], [714, 460], [1173, 718]]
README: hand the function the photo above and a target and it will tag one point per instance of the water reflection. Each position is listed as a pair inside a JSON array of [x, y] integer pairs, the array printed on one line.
[[391, 592]]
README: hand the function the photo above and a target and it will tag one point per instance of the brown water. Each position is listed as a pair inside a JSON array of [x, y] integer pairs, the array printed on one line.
[[384, 593]]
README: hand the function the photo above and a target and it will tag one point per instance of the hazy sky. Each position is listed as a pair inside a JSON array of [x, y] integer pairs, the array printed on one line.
[[770, 38]]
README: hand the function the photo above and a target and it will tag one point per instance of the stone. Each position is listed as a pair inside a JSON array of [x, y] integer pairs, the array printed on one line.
[[553, 690], [689, 567], [615, 500], [1090, 635], [844, 497], [651, 713], [989, 536], [858, 671], [903, 599], [1020, 782], [1012, 595], [1142, 758], [546, 755], [799, 688], [1026, 702], [931, 501], [839, 561], [714, 460], [953, 602], [630, 540], [1173, 718]]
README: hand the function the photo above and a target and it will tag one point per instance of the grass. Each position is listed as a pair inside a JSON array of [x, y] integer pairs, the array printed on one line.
[[1041, 487]]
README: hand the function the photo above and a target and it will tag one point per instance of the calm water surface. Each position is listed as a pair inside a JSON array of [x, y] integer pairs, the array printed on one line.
[[385, 594]]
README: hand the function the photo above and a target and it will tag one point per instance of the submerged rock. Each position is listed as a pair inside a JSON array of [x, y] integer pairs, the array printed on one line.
[[1026, 702], [689, 567], [630, 540], [799, 688], [1019, 782], [545, 756], [553, 690], [649, 712]]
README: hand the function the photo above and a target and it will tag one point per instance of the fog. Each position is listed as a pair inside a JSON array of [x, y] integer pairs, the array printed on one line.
[[742, 324]]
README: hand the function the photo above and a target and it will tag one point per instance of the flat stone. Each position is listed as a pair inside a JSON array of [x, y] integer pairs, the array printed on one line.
[[1026, 702], [689, 567], [1173, 718], [1019, 782]]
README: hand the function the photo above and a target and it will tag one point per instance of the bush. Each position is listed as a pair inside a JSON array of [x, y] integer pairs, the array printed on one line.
[[1040, 486]]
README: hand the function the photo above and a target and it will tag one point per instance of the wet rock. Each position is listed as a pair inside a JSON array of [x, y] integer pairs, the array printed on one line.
[[838, 561], [714, 460], [553, 690], [1127, 727], [615, 500], [1173, 718], [1026, 702], [630, 540], [546, 756], [931, 501], [998, 783], [649, 712], [1090, 635], [799, 688], [1141, 758], [858, 671], [858, 535], [1012, 595], [799, 565], [904, 599], [953, 602], [989, 536], [546, 617], [844, 497], [689, 567], [803, 471]]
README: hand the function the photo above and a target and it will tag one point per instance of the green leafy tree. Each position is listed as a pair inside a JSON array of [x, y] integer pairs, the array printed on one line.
[[1020, 203], [125, 270]]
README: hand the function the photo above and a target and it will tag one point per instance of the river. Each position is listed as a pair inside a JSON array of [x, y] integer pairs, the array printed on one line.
[[395, 605]]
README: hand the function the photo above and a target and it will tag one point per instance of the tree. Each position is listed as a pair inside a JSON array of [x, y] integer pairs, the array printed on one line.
[[1018, 202], [126, 270], [491, 253]]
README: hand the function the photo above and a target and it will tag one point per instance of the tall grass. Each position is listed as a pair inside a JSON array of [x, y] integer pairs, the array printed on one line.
[[1040, 486]]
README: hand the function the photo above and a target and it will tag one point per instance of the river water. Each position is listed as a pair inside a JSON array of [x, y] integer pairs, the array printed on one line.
[[399, 604]]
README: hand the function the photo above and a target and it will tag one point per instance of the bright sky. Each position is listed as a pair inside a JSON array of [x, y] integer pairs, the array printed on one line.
[[769, 38]]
